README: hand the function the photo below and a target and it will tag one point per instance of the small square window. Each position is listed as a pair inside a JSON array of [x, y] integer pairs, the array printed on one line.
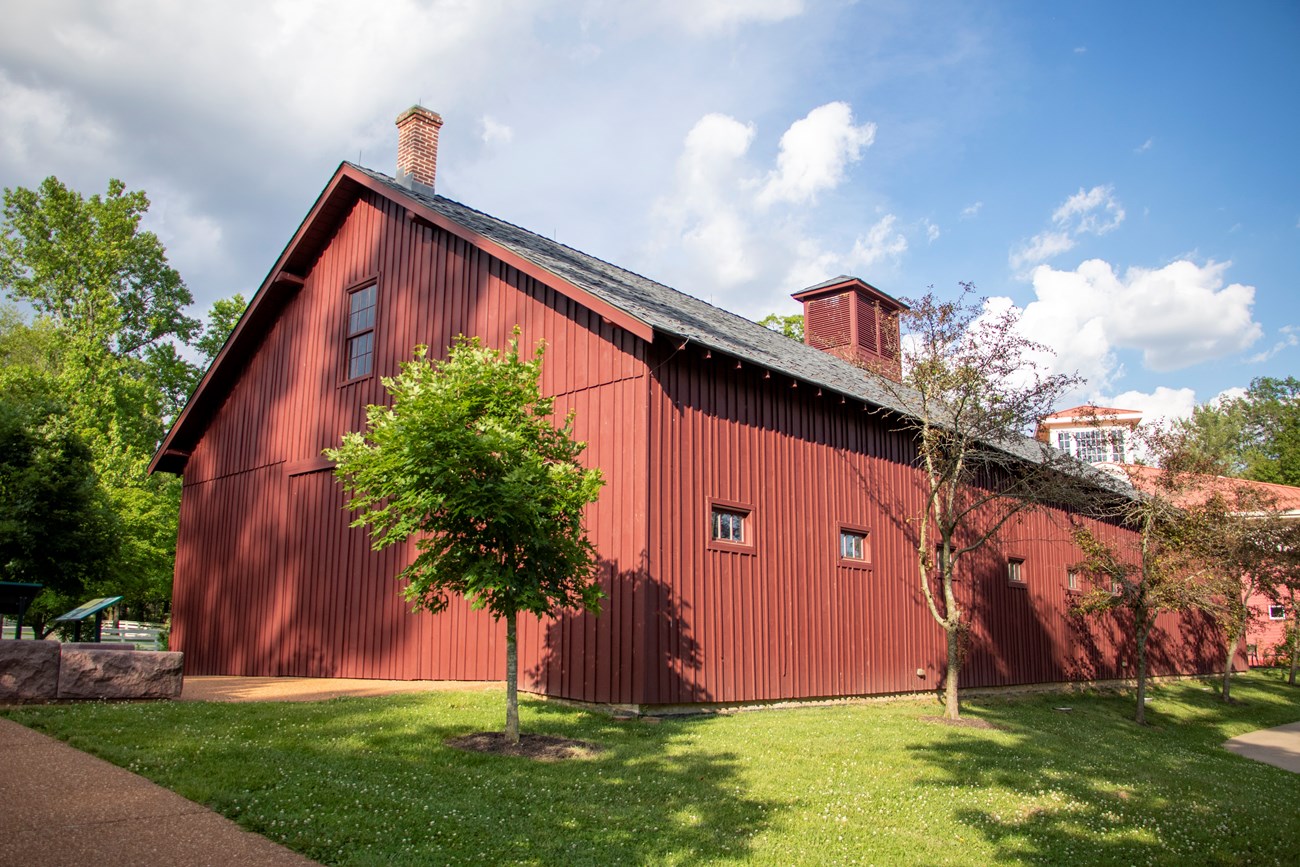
[[1276, 612], [1116, 587], [1016, 571], [855, 546], [360, 344], [1072, 580], [729, 526]]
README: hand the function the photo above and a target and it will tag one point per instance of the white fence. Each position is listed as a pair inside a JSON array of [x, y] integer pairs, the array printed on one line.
[[145, 636]]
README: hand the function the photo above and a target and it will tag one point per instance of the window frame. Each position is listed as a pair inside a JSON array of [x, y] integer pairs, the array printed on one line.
[[348, 335], [1072, 581], [1015, 560], [1281, 609], [853, 562], [748, 533]]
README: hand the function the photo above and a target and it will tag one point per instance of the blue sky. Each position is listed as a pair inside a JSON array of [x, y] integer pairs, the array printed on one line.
[[1125, 173]]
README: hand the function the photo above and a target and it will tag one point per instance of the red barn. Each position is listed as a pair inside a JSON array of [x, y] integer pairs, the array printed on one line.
[[752, 529]]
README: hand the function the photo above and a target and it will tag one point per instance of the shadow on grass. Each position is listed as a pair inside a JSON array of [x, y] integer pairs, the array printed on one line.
[[371, 781], [1091, 786]]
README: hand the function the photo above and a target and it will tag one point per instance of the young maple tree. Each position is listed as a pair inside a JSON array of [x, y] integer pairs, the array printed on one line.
[[1197, 545], [972, 390], [468, 462]]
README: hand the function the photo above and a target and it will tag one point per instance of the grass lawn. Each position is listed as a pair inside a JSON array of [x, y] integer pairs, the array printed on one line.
[[369, 781]]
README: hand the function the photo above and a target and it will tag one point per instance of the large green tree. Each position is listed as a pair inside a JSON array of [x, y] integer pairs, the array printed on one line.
[[106, 338], [469, 463], [1255, 436]]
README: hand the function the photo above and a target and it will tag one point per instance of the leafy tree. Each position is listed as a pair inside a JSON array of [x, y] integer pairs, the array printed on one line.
[[1188, 552], [106, 338], [223, 316], [56, 527], [973, 391], [1256, 436], [791, 326], [468, 462]]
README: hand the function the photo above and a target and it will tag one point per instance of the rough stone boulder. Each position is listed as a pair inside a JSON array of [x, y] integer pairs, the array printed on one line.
[[100, 672], [29, 670]]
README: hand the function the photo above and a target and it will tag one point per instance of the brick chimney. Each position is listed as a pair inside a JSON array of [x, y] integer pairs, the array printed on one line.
[[417, 146], [855, 321]]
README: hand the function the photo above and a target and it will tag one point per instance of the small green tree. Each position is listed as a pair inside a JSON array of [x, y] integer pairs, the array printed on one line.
[[468, 462], [972, 391]]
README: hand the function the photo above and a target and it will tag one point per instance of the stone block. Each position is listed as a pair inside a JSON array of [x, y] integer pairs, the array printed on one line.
[[96, 645], [29, 671], [98, 672]]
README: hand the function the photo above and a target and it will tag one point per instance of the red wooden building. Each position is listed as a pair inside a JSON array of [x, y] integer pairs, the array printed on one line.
[[752, 528]]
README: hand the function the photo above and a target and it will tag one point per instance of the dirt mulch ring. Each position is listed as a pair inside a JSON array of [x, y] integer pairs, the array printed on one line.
[[966, 722], [543, 748]]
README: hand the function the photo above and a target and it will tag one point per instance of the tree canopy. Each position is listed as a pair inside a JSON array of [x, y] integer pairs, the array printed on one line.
[[1255, 436], [468, 462], [105, 344]]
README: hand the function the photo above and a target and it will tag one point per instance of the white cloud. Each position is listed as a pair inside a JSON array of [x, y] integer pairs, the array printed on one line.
[[740, 226], [1158, 408], [972, 211], [814, 153], [1040, 248], [1144, 147], [1175, 316], [1288, 338], [46, 126], [1236, 392], [1087, 212], [931, 231], [1083, 211], [495, 132]]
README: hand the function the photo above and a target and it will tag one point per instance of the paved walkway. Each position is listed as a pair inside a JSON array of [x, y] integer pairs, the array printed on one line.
[[1279, 747], [60, 806]]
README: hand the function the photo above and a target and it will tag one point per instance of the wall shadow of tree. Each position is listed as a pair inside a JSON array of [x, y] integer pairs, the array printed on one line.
[[656, 657]]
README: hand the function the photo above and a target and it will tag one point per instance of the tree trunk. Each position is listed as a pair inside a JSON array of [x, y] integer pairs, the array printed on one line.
[[951, 708], [1227, 670], [1143, 630], [1295, 640], [512, 682]]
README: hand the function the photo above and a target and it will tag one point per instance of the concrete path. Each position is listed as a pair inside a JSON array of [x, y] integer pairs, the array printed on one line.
[[60, 806], [1279, 747]]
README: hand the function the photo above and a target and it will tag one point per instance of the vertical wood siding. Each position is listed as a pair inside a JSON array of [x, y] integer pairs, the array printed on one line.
[[270, 580], [788, 619]]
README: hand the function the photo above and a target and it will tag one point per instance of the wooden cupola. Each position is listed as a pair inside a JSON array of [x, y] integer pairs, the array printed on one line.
[[855, 321]]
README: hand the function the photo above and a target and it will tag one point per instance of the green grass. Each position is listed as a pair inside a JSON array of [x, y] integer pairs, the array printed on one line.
[[369, 781]]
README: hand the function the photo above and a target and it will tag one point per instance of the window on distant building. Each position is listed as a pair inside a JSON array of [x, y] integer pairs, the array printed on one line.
[[855, 546], [1016, 571], [360, 344], [1276, 612], [1095, 446]]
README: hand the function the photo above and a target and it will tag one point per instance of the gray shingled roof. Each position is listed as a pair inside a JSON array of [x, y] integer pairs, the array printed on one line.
[[680, 315]]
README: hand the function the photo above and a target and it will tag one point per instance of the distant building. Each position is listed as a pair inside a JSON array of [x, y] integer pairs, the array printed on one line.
[[1096, 434]]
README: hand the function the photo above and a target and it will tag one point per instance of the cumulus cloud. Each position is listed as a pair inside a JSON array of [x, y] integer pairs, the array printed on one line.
[[1175, 316], [1087, 212], [740, 224], [931, 231], [814, 154], [1159, 408]]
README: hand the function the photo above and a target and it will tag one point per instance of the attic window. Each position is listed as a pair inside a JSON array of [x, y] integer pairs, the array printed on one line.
[[360, 358]]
